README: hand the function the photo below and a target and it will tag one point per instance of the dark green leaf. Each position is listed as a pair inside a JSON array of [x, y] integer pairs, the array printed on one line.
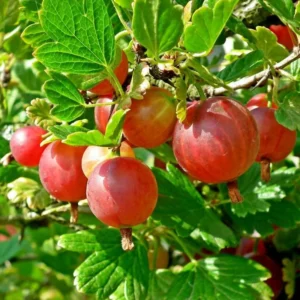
[[109, 266], [4, 146], [207, 25], [286, 239], [263, 222], [9, 249], [242, 66], [62, 92], [216, 278], [82, 34], [9, 13], [157, 25], [181, 206], [236, 25], [13, 171]]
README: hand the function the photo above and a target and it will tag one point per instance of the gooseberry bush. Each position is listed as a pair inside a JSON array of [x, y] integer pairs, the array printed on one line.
[[149, 150]]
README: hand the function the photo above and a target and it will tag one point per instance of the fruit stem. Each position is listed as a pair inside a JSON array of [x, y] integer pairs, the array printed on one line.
[[126, 241], [234, 192], [74, 212], [265, 172]]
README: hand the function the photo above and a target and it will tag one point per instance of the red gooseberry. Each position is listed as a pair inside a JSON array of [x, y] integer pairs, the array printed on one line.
[[249, 246], [104, 87], [61, 174], [284, 35], [217, 142], [276, 141], [94, 155], [259, 100], [150, 121], [122, 192], [25, 145], [102, 113]]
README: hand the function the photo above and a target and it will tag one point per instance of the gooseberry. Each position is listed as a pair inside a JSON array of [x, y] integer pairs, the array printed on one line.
[[276, 141], [259, 100], [122, 192], [217, 142], [284, 35], [150, 121], [102, 113], [25, 145], [61, 174]]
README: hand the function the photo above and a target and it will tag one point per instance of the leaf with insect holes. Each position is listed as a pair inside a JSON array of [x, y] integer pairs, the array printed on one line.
[[108, 266], [157, 25], [82, 35], [69, 103], [207, 25]]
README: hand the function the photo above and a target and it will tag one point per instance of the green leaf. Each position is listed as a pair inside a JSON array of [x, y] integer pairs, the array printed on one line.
[[35, 35], [256, 195], [114, 127], [266, 41], [9, 13], [289, 276], [62, 92], [236, 25], [263, 222], [287, 239], [242, 66], [157, 25], [288, 113], [207, 25], [181, 95], [295, 69], [139, 83], [90, 138], [30, 8], [9, 249], [62, 131], [13, 171], [108, 266], [4, 146], [216, 278], [124, 3], [283, 9], [206, 75], [180, 206], [39, 112], [160, 282], [164, 152], [82, 34]]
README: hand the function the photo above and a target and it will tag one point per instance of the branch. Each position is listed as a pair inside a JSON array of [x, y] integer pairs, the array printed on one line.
[[260, 77], [32, 219]]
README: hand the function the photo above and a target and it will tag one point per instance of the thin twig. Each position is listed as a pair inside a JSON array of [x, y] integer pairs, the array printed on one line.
[[251, 80]]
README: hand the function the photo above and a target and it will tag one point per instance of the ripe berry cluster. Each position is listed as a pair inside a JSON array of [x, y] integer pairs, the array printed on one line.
[[217, 142]]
